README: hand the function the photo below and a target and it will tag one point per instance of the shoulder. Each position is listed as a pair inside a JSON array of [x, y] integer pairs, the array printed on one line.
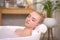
[[18, 30]]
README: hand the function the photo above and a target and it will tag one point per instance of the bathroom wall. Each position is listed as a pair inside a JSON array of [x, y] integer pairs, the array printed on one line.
[[14, 20], [1, 0], [57, 27]]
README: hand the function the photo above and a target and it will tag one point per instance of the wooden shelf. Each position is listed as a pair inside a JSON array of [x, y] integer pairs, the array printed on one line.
[[13, 11], [16, 11]]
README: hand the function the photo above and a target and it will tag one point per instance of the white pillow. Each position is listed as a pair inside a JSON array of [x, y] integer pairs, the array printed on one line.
[[42, 28]]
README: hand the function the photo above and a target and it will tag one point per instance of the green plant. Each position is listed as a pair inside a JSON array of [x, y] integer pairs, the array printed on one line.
[[49, 6]]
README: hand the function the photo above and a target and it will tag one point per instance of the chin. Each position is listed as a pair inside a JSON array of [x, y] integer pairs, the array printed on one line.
[[26, 25]]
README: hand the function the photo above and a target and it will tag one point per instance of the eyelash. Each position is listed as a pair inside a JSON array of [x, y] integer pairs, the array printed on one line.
[[33, 20]]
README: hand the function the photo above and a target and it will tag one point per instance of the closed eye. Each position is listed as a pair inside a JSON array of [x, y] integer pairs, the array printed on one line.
[[33, 20]]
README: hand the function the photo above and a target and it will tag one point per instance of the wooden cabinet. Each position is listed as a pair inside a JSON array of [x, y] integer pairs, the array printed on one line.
[[16, 11], [13, 11], [0, 16]]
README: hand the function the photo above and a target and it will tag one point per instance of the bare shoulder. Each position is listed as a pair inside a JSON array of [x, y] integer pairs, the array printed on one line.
[[18, 30]]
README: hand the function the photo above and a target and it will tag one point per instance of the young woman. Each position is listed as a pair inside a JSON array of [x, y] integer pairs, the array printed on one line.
[[32, 21]]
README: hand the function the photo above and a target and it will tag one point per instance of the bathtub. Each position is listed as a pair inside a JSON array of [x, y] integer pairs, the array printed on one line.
[[6, 33]]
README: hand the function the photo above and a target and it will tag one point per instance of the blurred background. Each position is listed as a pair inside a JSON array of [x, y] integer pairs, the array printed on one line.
[[18, 19]]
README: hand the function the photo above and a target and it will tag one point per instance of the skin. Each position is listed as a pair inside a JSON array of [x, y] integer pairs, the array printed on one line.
[[31, 22]]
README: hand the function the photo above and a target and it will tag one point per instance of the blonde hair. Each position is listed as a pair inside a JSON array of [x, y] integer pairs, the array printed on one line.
[[42, 17]]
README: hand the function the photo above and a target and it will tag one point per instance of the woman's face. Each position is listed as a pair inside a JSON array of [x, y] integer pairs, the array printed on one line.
[[32, 20]]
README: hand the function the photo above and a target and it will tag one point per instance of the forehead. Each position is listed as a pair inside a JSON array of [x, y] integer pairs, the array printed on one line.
[[35, 15]]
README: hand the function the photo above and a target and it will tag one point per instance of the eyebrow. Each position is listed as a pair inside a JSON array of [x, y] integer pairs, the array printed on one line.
[[33, 18]]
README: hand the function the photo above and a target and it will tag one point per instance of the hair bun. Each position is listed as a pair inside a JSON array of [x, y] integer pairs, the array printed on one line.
[[43, 14]]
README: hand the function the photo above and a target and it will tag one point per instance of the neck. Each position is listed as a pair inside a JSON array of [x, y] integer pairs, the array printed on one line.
[[28, 29]]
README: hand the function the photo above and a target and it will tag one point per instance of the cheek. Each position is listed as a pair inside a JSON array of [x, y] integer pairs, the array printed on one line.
[[26, 19], [34, 24]]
